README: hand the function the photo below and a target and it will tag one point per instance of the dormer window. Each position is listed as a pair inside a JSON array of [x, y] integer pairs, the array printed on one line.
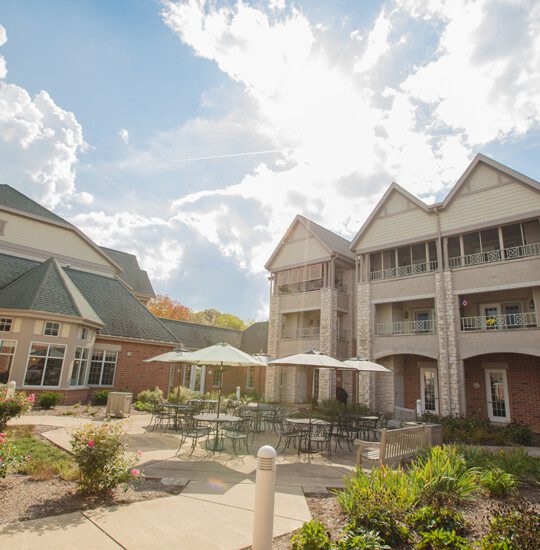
[[5, 324], [51, 329], [85, 333]]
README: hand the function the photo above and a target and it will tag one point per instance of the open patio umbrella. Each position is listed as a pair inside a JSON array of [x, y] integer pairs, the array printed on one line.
[[168, 357], [221, 355], [366, 366]]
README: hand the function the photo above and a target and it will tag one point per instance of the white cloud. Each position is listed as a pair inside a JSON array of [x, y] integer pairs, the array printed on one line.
[[124, 135], [377, 44]]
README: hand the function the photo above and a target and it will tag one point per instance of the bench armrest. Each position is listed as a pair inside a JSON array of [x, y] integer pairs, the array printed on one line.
[[363, 445]]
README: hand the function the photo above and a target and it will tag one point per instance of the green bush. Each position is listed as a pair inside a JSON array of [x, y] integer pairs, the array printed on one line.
[[142, 406], [100, 397], [181, 394], [48, 400], [330, 409], [150, 396], [441, 539], [99, 452], [497, 482], [311, 536], [443, 476], [360, 539], [430, 518], [513, 528], [8, 458], [12, 407]]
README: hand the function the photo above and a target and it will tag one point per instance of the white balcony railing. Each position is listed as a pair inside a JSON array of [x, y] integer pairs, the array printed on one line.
[[300, 333], [305, 286], [491, 256], [406, 327], [403, 271], [500, 322]]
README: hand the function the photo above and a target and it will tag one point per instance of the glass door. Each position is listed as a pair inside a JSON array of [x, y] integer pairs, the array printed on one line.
[[512, 315], [491, 314], [429, 388], [497, 395]]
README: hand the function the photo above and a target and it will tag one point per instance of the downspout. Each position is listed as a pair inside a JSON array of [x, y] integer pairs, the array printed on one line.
[[445, 324]]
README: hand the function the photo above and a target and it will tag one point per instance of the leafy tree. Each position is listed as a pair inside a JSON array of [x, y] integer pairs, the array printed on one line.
[[167, 308]]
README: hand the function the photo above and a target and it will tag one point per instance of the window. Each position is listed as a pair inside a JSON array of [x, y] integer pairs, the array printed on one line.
[[102, 368], [5, 324], [51, 329], [454, 248], [250, 379], [497, 395], [531, 231], [432, 248], [490, 240], [7, 352], [389, 259], [429, 390], [84, 334], [44, 365], [218, 375], [418, 252], [315, 390], [375, 261], [471, 243], [80, 364], [404, 256]]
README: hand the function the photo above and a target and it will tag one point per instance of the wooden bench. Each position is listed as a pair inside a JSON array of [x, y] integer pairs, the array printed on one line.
[[394, 446]]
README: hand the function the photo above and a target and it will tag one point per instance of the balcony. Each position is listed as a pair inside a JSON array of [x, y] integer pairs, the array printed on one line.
[[305, 286], [500, 255], [511, 321], [301, 333], [401, 328], [404, 271]]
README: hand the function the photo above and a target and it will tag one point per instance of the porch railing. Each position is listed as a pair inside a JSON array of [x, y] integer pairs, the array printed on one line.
[[499, 255], [300, 333], [403, 271], [406, 327], [305, 286], [500, 322]]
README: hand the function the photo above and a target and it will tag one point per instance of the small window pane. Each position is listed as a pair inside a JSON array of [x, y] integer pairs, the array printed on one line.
[[490, 240], [389, 259], [432, 245], [57, 351], [34, 372], [512, 235], [52, 372], [471, 243], [375, 262], [52, 329], [5, 324], [404, 256], [454, 249], [418, 253], [39, 350], [531, 231]]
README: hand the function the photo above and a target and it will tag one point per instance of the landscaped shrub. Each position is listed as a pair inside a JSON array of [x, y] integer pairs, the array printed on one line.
[[513, 528], [312, 536], [430, 518], [141, 406], [330, 409], [497, 482], [99, 453], [441, 539], [181, 394], [8, 458], [360, 539], [48, 400], [443, 476], [11, 407], [150, 396], [100, 397]]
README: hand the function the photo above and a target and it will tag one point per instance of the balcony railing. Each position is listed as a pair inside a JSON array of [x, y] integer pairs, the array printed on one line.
[[305, 286], [500, 322], [300, 333], [491, 256], [403, 271], [406, 327]]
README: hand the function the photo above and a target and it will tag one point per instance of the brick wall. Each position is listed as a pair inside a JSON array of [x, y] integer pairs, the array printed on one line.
[[523, 375], [411, 378], [69, 397]]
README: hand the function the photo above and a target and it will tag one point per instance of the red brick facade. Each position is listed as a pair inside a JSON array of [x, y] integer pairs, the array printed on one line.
[[411, 378], [523, 376], [69, 397]]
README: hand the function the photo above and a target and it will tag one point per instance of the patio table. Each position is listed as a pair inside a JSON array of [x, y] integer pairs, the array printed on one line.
[[366, 424], [177, 408], [307, 425], [212, 418]]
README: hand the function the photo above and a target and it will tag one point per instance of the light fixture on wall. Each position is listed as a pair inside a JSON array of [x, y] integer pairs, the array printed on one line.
[[405, 314]]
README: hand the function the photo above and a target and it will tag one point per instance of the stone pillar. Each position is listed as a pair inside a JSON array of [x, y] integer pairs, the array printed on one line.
[[448, 367], [384, 386], [364, 322], [327, 384], [328, 341], [271, 387]]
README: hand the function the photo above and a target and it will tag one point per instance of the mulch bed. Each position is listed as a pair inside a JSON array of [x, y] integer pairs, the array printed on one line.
[[91, 412], [22, 498]]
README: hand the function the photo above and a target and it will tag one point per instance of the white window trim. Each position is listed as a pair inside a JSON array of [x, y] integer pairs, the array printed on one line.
[[12, 356], [252, 373], [52, 323], [81, 331], [487, 372], [84, 382], [100, 385], [423, 388], [10, 324], [45, 369]]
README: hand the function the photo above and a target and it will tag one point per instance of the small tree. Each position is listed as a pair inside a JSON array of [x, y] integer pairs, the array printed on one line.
[[11, 407]]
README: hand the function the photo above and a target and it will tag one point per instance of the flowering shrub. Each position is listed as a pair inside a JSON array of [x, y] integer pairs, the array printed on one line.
[[11, 407], [7, 455], [99, 452]]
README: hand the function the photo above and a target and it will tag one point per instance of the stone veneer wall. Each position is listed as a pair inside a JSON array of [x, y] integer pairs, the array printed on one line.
[[366, 380], [328, 342], [271, 387]]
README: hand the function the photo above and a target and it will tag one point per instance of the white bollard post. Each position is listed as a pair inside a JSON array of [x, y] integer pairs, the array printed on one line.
[[263, 520], [238, 394], [11, 389], [419, 411]]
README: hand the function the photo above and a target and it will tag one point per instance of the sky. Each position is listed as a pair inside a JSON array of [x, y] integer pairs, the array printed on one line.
[[192, 132]]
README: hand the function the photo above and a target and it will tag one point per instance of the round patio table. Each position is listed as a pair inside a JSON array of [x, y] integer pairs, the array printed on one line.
[[177, 408], [307, 425], [213, 418], [366, 425]]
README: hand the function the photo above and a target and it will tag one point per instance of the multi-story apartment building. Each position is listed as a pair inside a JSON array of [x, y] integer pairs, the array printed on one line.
[[447, 296]]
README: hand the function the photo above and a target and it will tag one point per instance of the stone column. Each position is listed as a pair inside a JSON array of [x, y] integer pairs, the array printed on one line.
[[328, 341], [271, 387], [364, 327], [327, 384]]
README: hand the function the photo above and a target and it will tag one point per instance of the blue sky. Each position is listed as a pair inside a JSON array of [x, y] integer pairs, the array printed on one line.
[[103, 102]]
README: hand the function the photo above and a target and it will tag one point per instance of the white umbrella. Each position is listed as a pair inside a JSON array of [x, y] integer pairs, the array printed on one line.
[[169, 357], [365, 366], [221, 355]]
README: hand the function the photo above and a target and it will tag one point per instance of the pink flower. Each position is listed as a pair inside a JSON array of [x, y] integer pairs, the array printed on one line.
[[135, 472], [91, 443], [3, 435], [31, 398]]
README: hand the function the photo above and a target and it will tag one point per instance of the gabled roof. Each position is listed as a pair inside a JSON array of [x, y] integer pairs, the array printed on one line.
[[255, 338], [47, 288], [197, 336], [12, 198], [393, 187], [132, 274], [333, 243]]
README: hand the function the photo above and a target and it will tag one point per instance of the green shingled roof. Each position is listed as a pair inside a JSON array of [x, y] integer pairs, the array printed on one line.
[[45, 287], [195, 336], [335, 242], [255, 338], [132, 274], [14, 199]]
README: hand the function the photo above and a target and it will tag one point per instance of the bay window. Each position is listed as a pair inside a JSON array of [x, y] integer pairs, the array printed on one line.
[[45, 363], [80, 365]]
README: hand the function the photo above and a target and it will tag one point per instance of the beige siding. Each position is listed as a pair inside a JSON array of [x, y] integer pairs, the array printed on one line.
[[384, 313], [48, 240], [398, 219], [487, 198], [299, 251]]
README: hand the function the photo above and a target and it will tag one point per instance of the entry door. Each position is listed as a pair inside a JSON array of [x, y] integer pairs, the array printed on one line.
[[491, 312], [497, 395], [429, 388]]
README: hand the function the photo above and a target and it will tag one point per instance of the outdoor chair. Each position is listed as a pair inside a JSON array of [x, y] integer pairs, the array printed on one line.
[[344, 430], [238, 432], [162, 415], [320, 440], [289, 433], [194, 429]]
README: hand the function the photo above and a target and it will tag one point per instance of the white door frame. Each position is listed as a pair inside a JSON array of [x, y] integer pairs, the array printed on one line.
[[489, 403], [193, 377], [483, 308], [423, 388]]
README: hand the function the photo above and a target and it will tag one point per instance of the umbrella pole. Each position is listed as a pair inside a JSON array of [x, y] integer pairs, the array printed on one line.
[[220, 385]]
